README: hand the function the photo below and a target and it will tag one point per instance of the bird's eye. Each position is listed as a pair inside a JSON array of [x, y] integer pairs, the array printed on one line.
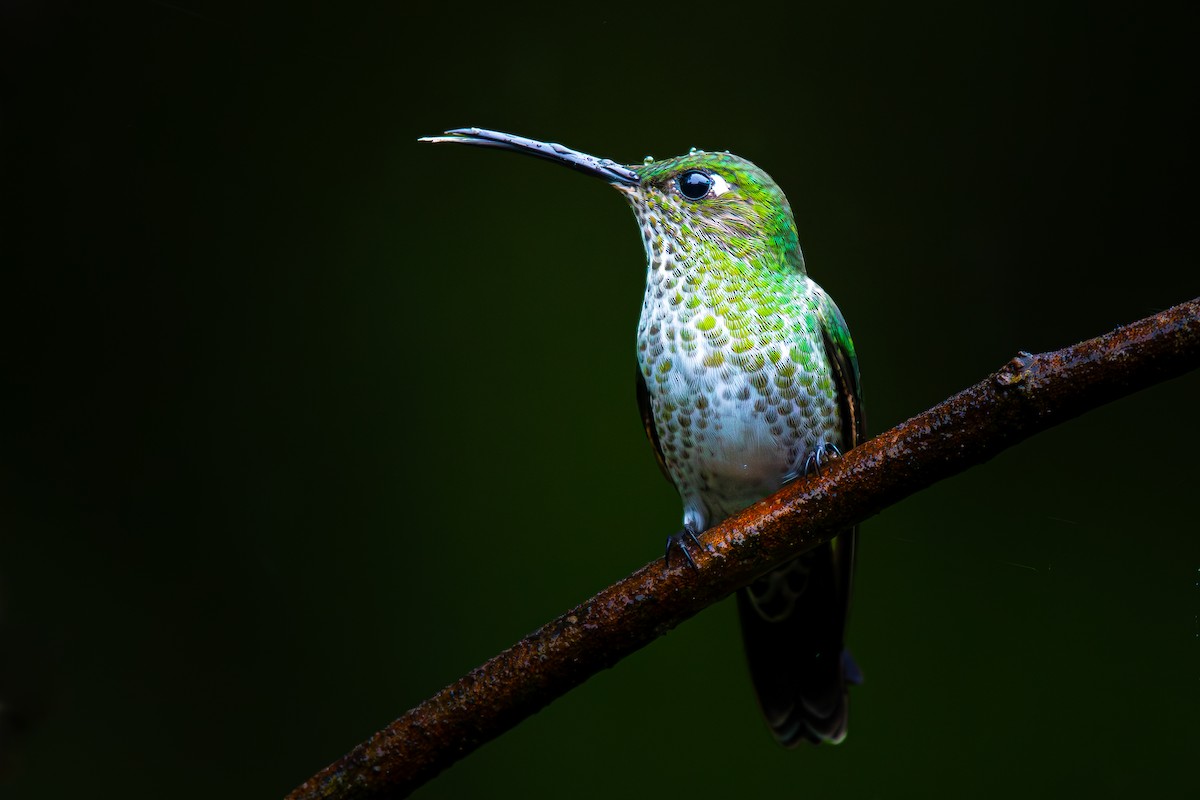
[[694, 184]]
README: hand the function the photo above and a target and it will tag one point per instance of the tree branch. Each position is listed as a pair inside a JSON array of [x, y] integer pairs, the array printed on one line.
[[1028, 395]]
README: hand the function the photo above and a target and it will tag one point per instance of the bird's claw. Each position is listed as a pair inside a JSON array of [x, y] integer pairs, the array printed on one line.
[[681, 539], [822, 453]]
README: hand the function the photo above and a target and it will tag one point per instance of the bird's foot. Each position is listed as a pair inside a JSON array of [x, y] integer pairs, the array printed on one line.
[[821, 455], [681, 539]]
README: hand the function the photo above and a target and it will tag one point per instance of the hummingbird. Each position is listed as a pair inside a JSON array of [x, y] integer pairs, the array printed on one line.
[[746, 379]]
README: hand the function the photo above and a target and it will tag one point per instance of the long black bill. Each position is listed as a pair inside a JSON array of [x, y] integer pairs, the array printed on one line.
[[604, 168]]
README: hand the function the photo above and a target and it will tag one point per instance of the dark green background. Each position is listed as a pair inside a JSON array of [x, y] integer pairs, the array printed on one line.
[[304, 419]]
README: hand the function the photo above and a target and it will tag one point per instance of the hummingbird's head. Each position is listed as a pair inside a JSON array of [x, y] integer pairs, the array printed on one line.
[[717, 201], [717, 205]]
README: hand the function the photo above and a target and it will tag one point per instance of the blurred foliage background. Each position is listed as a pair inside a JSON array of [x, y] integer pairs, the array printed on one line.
[[305, 419]]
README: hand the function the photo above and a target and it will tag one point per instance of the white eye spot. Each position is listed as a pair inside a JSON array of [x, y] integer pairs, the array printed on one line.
[[719, 186]]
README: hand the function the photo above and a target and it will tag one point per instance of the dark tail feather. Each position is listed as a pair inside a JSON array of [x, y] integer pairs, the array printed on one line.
[[793, 628]]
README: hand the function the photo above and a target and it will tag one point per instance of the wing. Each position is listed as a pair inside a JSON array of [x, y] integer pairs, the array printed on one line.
[[794, 627], [839, 349], [643, 398]]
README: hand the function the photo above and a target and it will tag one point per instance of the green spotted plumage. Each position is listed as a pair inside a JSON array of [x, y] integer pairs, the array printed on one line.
[[730, 341], [747, 378]]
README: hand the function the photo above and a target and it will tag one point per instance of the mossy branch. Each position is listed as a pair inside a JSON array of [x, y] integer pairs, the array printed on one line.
[[1027, 395]]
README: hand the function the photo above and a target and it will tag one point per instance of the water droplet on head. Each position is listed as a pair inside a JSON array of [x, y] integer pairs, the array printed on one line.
[[692, 151], [648, 160]]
